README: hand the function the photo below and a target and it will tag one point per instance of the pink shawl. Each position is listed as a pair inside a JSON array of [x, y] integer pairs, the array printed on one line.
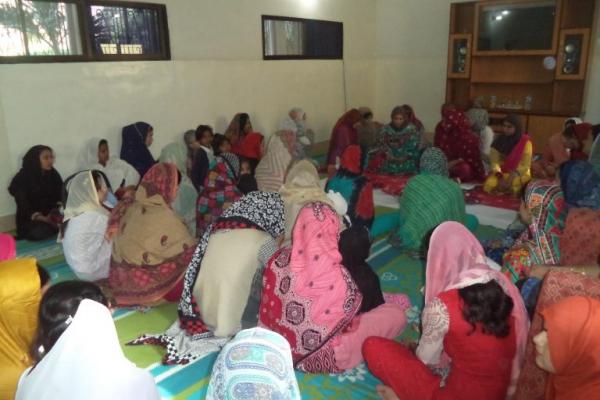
[[308, 296], [511, 162], [8, 247], [456, 260]]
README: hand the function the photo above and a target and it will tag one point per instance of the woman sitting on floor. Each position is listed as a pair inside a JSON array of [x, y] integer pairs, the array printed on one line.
[[185, 202], [343, 135], [280, 152], [37, 189], [428, 199], [151, 245], [257, 363], [356, 189], [412, 118], [295, 123], [510, 159], [474, 329], [558, 151], [96, 155], [78, 354], [302, 187], [543, 211], [84, 226], [244, 141], [367, 129], [480, 121], [580, 184], [569, 349], [453, 135], [310, 298], [134, 147], [219, 190], [22, 284], [397, 149]]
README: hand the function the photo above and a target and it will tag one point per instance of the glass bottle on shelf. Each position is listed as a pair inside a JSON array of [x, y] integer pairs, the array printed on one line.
[[528, 102]]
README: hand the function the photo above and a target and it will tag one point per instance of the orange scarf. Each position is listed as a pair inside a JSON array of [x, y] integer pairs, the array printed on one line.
[[573, 325]]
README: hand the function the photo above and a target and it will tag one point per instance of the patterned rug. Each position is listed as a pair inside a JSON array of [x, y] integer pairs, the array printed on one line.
[[398, 273]]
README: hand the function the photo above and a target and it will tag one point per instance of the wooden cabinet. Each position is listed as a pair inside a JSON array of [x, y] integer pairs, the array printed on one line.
[[544, 87]]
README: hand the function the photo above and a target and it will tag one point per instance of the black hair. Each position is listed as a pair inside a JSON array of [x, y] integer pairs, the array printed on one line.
[[102, 142], [247, 183], [488, 305], [44, 275], [569, 131], [218, 140], [179, 177], [201, 129], [595, 131], [367, 115], [58, 304], [244, 118], [355, 246], [425, 244]]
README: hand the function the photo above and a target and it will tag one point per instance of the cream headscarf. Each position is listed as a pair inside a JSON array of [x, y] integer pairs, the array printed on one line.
[[301, 187], [82, 196]]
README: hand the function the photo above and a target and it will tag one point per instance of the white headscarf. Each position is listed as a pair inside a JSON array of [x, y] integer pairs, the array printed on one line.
[[293, 121], [87, 363], [256, 361], [88, 157], [82, 196]]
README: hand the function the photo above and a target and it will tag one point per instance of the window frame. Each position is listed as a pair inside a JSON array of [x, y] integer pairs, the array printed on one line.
[[85, 22], [265, 57]]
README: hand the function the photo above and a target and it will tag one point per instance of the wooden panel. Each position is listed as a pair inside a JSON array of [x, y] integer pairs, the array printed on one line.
[[513, 93], [541, 128], [568, 97], [577, 14], [510, 70], [457, 92], [464, 18]]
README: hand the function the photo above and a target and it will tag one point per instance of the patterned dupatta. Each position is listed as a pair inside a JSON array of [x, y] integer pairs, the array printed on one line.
[[308, 296]]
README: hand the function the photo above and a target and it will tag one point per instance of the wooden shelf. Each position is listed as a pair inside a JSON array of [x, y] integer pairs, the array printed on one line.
[[577, 14], [510, 69], [463, 18]]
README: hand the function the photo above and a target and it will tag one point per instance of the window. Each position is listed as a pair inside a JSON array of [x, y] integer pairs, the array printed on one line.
[[286, 38], [82, 30]]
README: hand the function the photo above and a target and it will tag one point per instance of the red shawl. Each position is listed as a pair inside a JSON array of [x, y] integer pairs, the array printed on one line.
[[343, 135], [511, 162]]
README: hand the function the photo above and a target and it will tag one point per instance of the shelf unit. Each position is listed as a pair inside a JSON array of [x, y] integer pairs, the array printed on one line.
[[505, 79]]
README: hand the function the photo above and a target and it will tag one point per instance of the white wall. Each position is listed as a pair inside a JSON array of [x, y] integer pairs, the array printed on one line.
[[216, 70]]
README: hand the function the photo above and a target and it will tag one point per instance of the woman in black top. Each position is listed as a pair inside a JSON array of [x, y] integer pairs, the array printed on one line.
[[37, 189]]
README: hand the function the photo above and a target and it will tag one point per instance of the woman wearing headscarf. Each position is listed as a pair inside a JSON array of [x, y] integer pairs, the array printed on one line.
[[151, 245], [510, 159], [412, 118], [309, 297], [558, 151], [397, 149], [343, 135], [474, 329], [244, 141], [594, 158], [256, 363], [428, 199], [218, 279], [281, 150], [136, 138], [96, 155], [37, 189], [354, 187], [543, 211], [295, 122], [367, 129], [302, 187], [580, 184], [82, 356], [480, 121], [185, 201], [20, 294], [219, 192], [453, 135], [86, 249], [569, 349]]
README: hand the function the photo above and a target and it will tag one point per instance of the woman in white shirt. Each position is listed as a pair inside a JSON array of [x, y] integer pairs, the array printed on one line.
[[96, 155], [84, 226], [480, 120]]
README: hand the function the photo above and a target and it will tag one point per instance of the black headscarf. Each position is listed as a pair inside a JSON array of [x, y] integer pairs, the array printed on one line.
[[134, 149], [34, 189], [355, 245], [504, 144]]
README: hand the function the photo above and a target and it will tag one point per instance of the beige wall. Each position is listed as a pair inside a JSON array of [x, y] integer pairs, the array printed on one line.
[[216, 70]]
